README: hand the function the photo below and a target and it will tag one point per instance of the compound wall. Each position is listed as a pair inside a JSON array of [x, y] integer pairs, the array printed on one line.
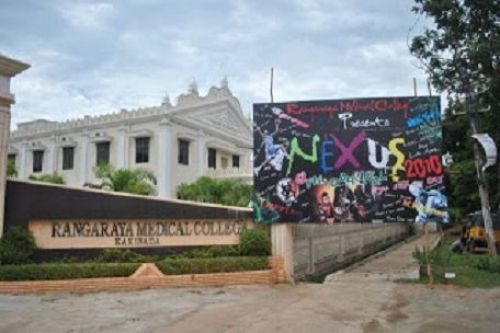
[[313, 250], [79, 222]]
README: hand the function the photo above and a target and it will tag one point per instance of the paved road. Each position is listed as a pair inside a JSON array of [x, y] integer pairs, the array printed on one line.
[[356, 302]]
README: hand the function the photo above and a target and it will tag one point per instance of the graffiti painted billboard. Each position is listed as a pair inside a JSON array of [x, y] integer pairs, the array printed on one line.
[[361, 160]]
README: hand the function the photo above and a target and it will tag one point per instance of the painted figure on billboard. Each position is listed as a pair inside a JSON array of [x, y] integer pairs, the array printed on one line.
[[357, 160]]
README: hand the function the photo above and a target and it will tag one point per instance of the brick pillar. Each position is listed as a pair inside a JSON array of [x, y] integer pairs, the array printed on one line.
[[8, 69], [282, 246]]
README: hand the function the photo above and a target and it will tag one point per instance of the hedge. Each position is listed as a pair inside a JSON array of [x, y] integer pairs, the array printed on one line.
[[58, 271], [123, 256], [181, 265]]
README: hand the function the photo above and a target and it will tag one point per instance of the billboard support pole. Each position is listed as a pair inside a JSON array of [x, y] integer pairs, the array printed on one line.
[[271, 85]]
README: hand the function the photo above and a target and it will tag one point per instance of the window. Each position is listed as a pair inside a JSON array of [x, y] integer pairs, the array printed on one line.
[[102, 156], [183, 156], [236, 161], [212, 158], [37, 160], [142, 150], [11, 158], [68, 157]]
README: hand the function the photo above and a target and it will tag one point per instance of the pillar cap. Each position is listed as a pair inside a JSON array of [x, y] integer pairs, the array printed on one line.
[[11, 67]]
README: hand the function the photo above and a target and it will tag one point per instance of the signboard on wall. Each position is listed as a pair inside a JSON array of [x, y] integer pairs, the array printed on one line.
[[122, 233], [356, 160]]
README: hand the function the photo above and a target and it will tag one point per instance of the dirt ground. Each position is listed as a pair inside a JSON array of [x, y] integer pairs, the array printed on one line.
[[363, 299], [345, 306]]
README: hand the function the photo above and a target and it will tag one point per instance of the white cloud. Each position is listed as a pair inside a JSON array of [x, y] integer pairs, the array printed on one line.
[[86, 15], [185, 48], [324, 14], [247, 24], [128, 54]]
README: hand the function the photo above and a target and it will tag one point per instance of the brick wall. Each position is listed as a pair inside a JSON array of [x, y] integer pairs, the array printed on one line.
[[271, 276]]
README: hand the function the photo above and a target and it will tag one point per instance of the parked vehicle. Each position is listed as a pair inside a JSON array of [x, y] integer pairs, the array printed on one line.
[[477, 239]]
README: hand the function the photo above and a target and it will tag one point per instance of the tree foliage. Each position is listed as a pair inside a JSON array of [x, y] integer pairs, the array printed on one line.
[[224, 192], [136, 181], [461, 54], [463, 45]]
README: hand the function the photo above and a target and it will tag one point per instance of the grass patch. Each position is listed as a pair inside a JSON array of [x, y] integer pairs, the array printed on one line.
[[59, 271], [471, 270], [183, 265]]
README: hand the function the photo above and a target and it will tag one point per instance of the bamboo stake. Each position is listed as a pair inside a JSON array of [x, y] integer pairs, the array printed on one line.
[[426, 251]]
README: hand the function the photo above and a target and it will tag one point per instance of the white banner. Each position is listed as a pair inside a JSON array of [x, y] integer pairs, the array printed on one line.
[[489, 147]]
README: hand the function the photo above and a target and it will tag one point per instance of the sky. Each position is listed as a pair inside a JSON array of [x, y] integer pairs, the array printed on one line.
[[97, 57]]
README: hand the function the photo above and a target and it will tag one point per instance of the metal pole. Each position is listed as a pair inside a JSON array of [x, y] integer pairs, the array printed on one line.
[[271, 85], [481, 179]]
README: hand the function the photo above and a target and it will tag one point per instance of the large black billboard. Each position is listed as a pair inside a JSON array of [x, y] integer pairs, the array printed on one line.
[[361, 160]]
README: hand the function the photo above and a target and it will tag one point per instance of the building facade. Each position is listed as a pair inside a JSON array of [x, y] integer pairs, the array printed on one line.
[[198, 136]]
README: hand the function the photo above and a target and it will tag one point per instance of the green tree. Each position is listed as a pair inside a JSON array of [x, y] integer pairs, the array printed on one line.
[[49, 178], [224, 192], [11, 169], [461, 53], [137, 181]]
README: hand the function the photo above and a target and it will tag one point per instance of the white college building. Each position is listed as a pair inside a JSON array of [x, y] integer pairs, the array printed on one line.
[[199, 136]]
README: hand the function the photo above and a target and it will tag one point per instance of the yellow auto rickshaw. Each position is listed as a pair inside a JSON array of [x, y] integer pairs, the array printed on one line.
[[477, 240]]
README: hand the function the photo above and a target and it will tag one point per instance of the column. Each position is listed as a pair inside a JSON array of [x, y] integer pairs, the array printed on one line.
[[22, 172], [248, 162], [202, 160], [165, 159], [52, 156], [4, 142], [84, 159], [121, 160], [8, 69]]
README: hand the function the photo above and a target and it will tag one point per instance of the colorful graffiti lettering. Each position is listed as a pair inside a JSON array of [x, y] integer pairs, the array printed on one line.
[[295, 150]]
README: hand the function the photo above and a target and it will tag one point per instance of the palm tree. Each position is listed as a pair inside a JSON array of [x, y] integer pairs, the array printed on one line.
[[225, 192], [136, 181]]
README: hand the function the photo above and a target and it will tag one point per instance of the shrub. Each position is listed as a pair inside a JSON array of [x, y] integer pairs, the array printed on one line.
[[53, 178], [55, 271], [11, 169], [254, 242], [16, 246], [123, 256], [176, 266]]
